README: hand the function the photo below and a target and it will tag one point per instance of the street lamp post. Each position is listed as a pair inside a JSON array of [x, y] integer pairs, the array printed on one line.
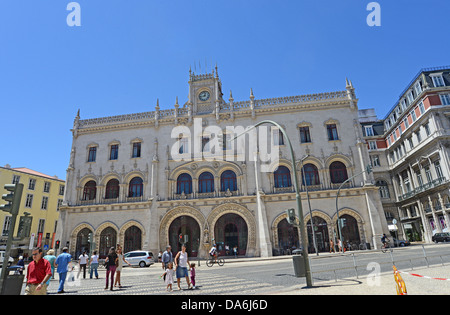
[[297, 197], [309, 206]]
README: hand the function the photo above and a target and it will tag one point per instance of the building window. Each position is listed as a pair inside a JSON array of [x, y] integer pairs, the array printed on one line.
[[92, 154], [226, 141], [418, 87], [90, 190], [421, 108], [136, 150], [61, 190], [427, 129], [418, 136], [438, 80], [445, 99], [373, 145], [282, 177], [136, 187], [428, 174], [411, 144], [206, 183], [60, 201], [205, 144], [16, 179], [44, 203], [375, 159], [41, 225], [413, 115], [6, 225], [369, 131], [228, 181], [47, 187], [305, 136], [383, 188], [278, 138], [338, 172], [31, 184], [310, 175], [114, 152], [184, 145], [332, 132], [112, 189], [437, 167], [29, 201], [184, 184]]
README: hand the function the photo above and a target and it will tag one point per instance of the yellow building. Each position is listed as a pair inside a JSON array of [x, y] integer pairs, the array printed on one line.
[[42, 195]]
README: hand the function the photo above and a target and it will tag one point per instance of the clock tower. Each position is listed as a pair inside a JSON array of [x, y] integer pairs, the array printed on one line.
[[205, 93]]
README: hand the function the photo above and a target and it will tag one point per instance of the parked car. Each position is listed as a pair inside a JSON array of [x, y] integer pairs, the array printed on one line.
[[400, 243], [139, 258], [441, 237], [2, 257]]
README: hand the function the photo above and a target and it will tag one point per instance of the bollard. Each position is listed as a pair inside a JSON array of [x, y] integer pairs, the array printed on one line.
[[401, 286]]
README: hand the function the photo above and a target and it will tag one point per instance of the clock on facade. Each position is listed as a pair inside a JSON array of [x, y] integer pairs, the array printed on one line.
[[204, 96]]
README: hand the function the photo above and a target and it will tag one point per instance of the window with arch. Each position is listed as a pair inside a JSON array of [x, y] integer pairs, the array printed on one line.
[[136, 187], [206, 183], [282, 177], [383, 187], [338, 172], [228, 181], [184, 184], [90, 190], [310, 174], [112, 189]]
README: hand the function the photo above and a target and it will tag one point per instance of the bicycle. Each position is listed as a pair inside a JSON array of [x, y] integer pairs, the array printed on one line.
[[210, 262], [386, 247]]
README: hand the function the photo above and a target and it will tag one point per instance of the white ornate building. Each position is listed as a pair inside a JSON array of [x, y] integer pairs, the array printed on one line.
[[125, 186]]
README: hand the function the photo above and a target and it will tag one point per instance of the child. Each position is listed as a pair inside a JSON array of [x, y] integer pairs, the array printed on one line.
[[169, 276], [193, 275]]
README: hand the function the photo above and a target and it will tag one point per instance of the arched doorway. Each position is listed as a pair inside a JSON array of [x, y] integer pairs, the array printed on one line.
[[108, 239], [82, 242], [288, 238], [185, 230], [132, 239], [231, 230], [321, 234], [349, 230]]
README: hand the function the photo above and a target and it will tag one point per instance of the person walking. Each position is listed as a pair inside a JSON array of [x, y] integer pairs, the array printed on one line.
[[168, 276], [93, 264], [120, 261], [21, 263], [167, 257], [111, 264], [332, 246], [83, 260], [51, 258], [181, 265], [62, 267], [193, 275], [39, 272]]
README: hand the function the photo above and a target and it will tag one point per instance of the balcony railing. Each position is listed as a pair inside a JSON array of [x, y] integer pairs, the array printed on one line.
[[422, 188]]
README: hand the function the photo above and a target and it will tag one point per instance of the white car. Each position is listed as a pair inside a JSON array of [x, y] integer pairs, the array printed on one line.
[[139, 258], [2, 257]]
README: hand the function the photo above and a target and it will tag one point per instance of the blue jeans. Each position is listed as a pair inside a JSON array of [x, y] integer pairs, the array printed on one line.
[[62, 279], [94, 267]]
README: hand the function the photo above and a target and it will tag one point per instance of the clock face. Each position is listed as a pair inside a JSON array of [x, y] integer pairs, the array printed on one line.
[[204, 96]]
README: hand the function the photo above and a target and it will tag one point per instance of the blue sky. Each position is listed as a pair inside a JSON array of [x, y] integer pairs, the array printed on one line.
[[126, 54]]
